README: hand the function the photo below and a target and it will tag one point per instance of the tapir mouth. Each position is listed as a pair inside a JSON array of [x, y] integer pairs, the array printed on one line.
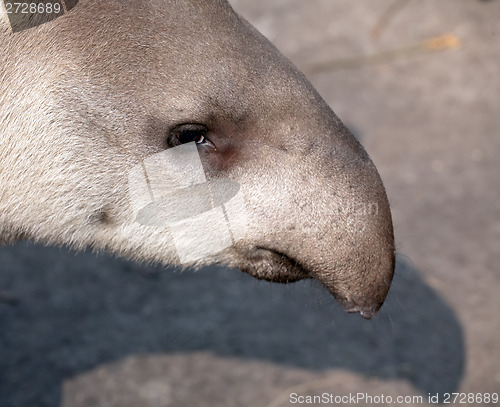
[[271, 265]]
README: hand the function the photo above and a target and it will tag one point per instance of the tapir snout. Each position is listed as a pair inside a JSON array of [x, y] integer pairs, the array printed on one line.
[[112, 84]]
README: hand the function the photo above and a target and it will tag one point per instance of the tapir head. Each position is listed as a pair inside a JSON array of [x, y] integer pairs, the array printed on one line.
[[115, 82]]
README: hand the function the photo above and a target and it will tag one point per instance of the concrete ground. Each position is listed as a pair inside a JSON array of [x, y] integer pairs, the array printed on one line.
[[95, 331]]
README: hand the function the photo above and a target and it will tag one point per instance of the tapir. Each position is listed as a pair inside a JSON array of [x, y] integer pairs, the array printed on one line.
[[90, 95]]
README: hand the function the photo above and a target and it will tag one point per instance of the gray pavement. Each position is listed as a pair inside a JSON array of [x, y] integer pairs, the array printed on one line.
[[96, 331]]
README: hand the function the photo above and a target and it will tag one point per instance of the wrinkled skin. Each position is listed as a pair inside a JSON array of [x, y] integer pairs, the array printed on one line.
[[89, 95]]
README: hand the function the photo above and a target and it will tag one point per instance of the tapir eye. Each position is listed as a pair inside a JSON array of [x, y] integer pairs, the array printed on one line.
[[187, 133]]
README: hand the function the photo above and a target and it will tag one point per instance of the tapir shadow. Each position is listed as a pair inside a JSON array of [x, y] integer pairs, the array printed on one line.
[[79, 311]]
